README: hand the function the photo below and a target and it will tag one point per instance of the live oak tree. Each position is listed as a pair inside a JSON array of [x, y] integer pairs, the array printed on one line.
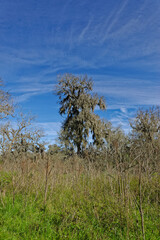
[[77, 103]]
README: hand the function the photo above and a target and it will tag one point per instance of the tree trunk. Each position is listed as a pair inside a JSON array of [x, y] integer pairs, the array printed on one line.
[[78, 149]]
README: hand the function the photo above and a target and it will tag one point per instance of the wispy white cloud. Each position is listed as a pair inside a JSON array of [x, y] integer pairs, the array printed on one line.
[[23, 97], [128, 91], [38, 88], [50, 129], [122, 118], [85, 30], [115, 19], [106, 35], [123, 109], [29, 89]]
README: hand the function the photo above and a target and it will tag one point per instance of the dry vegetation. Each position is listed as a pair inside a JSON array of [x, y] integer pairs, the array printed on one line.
[[107, 191], [53, 198]]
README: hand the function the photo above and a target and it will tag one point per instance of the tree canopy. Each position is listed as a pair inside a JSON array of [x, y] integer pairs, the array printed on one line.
[[77, 103], [146, 125]]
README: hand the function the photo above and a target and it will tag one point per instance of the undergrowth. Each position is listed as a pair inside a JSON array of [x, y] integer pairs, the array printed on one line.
[[70, 202]]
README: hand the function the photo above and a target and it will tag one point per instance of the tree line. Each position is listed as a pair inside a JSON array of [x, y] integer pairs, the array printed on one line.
[[83, 132]]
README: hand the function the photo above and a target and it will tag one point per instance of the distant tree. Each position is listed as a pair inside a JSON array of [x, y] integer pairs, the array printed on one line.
[[53, 149], [78, 104], [145, 137], [6, 106], [21, 138], [146, 125]]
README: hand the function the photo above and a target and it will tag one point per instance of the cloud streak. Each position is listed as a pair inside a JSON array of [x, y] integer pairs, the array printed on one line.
[[50, 129], [129, 91], [114, 34]]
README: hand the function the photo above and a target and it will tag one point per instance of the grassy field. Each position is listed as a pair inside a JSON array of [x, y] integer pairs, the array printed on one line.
[[65, 200]]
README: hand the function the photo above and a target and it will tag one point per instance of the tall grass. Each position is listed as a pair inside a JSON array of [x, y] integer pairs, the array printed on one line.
[[72, 199]]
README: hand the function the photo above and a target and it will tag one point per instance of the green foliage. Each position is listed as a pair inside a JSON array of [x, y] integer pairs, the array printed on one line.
[[5, 179], [84, 206], [78, 104]]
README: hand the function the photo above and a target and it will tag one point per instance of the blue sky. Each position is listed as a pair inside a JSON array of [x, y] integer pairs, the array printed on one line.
[[115, 42]]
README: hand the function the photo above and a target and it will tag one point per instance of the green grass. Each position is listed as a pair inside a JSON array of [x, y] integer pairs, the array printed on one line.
[[84, 206]]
